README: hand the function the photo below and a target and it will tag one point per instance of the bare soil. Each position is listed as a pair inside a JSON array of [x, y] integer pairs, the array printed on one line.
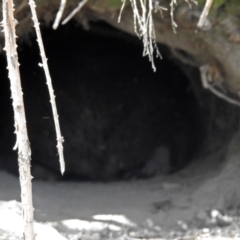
[[203, 196]]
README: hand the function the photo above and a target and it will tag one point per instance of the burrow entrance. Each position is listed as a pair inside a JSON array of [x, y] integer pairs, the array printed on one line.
[[119, 119]]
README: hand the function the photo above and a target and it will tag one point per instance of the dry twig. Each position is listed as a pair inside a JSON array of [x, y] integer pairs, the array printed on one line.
[[172, 7], [59, 14], [144, 27], [76, 10], [50, 88], [207, 85], [204, 14]]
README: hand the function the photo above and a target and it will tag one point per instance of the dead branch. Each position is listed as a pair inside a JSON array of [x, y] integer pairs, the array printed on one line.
[[22, 142], [204, 14], [49, 84], [59, 14], [207, 85], [144, 27], [172, 7], [76, 10]]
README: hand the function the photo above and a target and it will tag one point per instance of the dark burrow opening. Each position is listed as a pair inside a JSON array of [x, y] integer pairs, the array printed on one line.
[[119, 119]]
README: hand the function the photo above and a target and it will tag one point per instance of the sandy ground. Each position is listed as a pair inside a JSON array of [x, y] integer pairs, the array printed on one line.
[[187, 196]]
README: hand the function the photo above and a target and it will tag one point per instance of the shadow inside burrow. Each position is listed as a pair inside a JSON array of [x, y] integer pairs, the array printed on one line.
[[119, 119]]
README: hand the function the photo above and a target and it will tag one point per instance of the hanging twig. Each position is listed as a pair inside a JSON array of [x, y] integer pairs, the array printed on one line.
[[144, 27], [189, 2], [59, 14], [172, 7], [206, 85], [121, 10], [22, 142], [49, 83], [77, 9], [204, 13]]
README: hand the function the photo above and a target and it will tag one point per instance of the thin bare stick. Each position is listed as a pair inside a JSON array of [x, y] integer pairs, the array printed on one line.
[[59, 14], [204, 13], [50, 88], [22, 142], [144, 27], [203, 71], [77, 9], [172, 7], [223, 96], [121, 10], [189, 2], [206, 85], [158, 7]]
